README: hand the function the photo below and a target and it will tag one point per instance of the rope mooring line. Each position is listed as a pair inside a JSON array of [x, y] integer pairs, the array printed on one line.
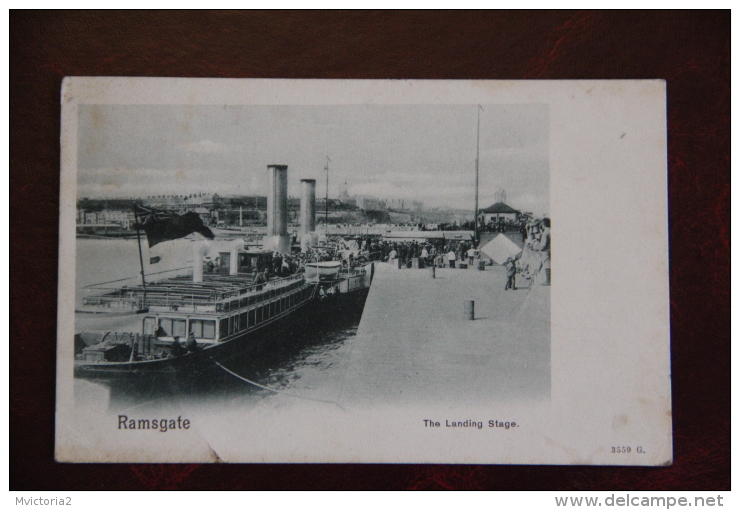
[[277, 391]]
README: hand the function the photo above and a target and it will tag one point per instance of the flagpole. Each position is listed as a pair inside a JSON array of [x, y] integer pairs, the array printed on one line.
[[326, 201], [141, 257], [477, 157]]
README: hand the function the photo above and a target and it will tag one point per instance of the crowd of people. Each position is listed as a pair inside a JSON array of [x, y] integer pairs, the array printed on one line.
[[533, 262], [439, 253]]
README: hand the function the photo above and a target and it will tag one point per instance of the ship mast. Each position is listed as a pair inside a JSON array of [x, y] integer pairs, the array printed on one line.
[[477, 157], [326, 201], [141, 258]]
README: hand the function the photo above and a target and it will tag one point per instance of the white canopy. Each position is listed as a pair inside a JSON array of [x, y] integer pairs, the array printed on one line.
[[501, 248]]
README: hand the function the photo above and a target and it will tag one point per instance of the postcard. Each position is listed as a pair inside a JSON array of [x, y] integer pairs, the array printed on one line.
[[363, 271]]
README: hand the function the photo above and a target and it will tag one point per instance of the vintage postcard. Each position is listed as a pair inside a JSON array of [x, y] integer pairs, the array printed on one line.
[[317, 271]]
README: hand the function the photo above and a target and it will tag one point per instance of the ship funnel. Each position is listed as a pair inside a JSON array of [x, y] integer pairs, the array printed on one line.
[[277, 210], [308, 205]]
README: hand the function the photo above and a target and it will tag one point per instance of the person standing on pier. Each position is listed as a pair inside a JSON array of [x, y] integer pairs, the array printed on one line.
[[544, 248], [510, 274], [451, 257], [472, 255]]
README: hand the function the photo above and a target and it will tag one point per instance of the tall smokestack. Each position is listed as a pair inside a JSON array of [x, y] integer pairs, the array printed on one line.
[[277, 209], [308, 205]]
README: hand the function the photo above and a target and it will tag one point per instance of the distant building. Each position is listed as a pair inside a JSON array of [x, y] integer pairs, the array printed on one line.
[[396, 203], [403, 204], [123, 218], [350, 202], [371, 203], [499, 212]]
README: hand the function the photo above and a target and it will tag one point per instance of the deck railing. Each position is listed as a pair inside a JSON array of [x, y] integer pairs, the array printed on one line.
[[188, 295]]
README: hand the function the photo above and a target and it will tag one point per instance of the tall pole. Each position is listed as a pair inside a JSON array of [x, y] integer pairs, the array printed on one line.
[[477, 157], [326, 200], [141, 257]]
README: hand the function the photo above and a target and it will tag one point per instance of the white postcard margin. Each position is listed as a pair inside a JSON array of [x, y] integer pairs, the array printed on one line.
[[610, 350]]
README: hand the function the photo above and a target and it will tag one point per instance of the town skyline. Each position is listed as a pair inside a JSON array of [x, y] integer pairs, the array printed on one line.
[[416, 153]]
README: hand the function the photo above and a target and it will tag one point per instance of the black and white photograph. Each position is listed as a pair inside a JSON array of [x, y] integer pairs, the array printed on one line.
[[334, 271]]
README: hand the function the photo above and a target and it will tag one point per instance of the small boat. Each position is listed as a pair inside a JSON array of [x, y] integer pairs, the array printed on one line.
[[347, 287], [316, 271]]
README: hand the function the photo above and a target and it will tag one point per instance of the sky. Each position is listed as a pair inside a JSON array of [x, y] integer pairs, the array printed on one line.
[[414, 152]]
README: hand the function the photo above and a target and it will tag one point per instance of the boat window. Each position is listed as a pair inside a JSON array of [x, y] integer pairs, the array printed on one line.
[[243, 321], [252, 317], [259, 315], [231, 324], [243, 302], [173, 327], [203, 329], [223, 330]]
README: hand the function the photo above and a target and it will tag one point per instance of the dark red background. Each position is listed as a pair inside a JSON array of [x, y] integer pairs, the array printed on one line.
[[691, 50]]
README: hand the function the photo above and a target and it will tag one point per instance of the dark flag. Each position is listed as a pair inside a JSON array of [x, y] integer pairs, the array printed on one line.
[[164, 226]]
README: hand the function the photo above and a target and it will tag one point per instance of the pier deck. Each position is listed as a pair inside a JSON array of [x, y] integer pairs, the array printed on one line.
[[414, 344]]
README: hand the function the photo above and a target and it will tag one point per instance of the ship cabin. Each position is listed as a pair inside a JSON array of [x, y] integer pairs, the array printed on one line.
[[218, 308], [248, 262], [224, 312]]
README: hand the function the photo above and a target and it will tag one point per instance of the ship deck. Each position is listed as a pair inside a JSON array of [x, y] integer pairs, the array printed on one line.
[[182, 291]]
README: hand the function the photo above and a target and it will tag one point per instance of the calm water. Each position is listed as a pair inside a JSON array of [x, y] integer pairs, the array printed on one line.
[[305, 353]]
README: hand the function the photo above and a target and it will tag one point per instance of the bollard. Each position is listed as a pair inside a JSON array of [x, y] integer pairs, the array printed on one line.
[[434, 272], [470, 310]]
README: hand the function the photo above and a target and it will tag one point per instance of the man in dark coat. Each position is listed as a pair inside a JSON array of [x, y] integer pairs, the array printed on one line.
[[510, 274]]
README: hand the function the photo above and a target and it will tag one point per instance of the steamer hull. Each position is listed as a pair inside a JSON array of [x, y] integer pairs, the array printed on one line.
[[203, 360]]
